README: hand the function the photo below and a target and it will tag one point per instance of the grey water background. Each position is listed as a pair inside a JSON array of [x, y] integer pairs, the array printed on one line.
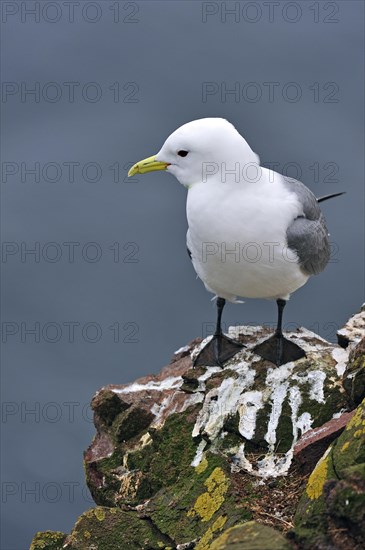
[[109, 292]]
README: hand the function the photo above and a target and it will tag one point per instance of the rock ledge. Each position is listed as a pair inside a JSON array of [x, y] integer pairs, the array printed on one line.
[[202, 458]]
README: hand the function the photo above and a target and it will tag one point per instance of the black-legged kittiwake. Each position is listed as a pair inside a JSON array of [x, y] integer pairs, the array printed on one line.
[[252, 233]]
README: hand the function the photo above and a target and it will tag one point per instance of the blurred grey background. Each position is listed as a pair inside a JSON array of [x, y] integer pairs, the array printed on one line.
[[108, 293]]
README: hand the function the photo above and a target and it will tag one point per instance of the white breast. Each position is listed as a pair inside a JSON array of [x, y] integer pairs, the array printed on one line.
[[237, 237]]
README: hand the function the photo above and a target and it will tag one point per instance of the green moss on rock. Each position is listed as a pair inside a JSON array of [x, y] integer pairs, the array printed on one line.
[[354, 377], [111, 529], [199, 504], [150, 496], [333, 504], [171, 451], [134, 473], [284, 432], [251, 536], [48, 540], [130, 423]]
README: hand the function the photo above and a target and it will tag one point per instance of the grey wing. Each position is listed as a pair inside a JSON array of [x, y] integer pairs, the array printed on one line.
[[308, 234]]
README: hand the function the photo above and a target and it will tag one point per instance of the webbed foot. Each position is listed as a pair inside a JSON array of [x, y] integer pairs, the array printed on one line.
[[217, 351], [279, 350]]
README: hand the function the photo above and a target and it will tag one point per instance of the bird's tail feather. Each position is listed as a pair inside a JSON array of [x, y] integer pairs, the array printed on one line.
[[326, 197]]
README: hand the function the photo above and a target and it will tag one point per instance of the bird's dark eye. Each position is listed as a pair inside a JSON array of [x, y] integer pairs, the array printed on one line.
[[182, 153]]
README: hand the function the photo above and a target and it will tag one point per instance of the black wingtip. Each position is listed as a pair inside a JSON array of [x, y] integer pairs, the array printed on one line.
[[326, 197]]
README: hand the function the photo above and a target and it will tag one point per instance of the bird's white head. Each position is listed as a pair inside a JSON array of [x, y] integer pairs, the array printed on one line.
[[202, 150]]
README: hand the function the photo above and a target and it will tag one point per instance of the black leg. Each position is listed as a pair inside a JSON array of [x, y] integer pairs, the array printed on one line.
[[281, 304], [220, 305], [277, 349], [220, 348]]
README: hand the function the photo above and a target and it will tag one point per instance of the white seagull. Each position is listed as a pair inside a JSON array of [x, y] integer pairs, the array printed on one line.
[[252, 232]]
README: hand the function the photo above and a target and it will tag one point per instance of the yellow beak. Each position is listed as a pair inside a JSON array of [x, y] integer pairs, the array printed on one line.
[[147, 165]]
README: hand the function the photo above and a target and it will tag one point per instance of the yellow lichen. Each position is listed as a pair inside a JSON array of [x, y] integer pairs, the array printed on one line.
[[42, 539], [345, 446], [37, 545], [209, 502], [317, 479], [357, 420], [99, 514], [87, 534], [216, 478], [359, 433], [204, 542], [200, 468]]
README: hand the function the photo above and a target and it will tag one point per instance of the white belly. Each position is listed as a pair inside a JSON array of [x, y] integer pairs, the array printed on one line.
[[237, 238]]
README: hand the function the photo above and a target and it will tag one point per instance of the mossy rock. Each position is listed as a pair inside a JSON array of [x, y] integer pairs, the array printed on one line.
[[48, 540], [130, 423], [251, 536], [163, 467], [199, 504], [354, 377], [107, 405], [185, 503], [250, 412], [332, 509], [154, 460], [113, 529], [264, 409]]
